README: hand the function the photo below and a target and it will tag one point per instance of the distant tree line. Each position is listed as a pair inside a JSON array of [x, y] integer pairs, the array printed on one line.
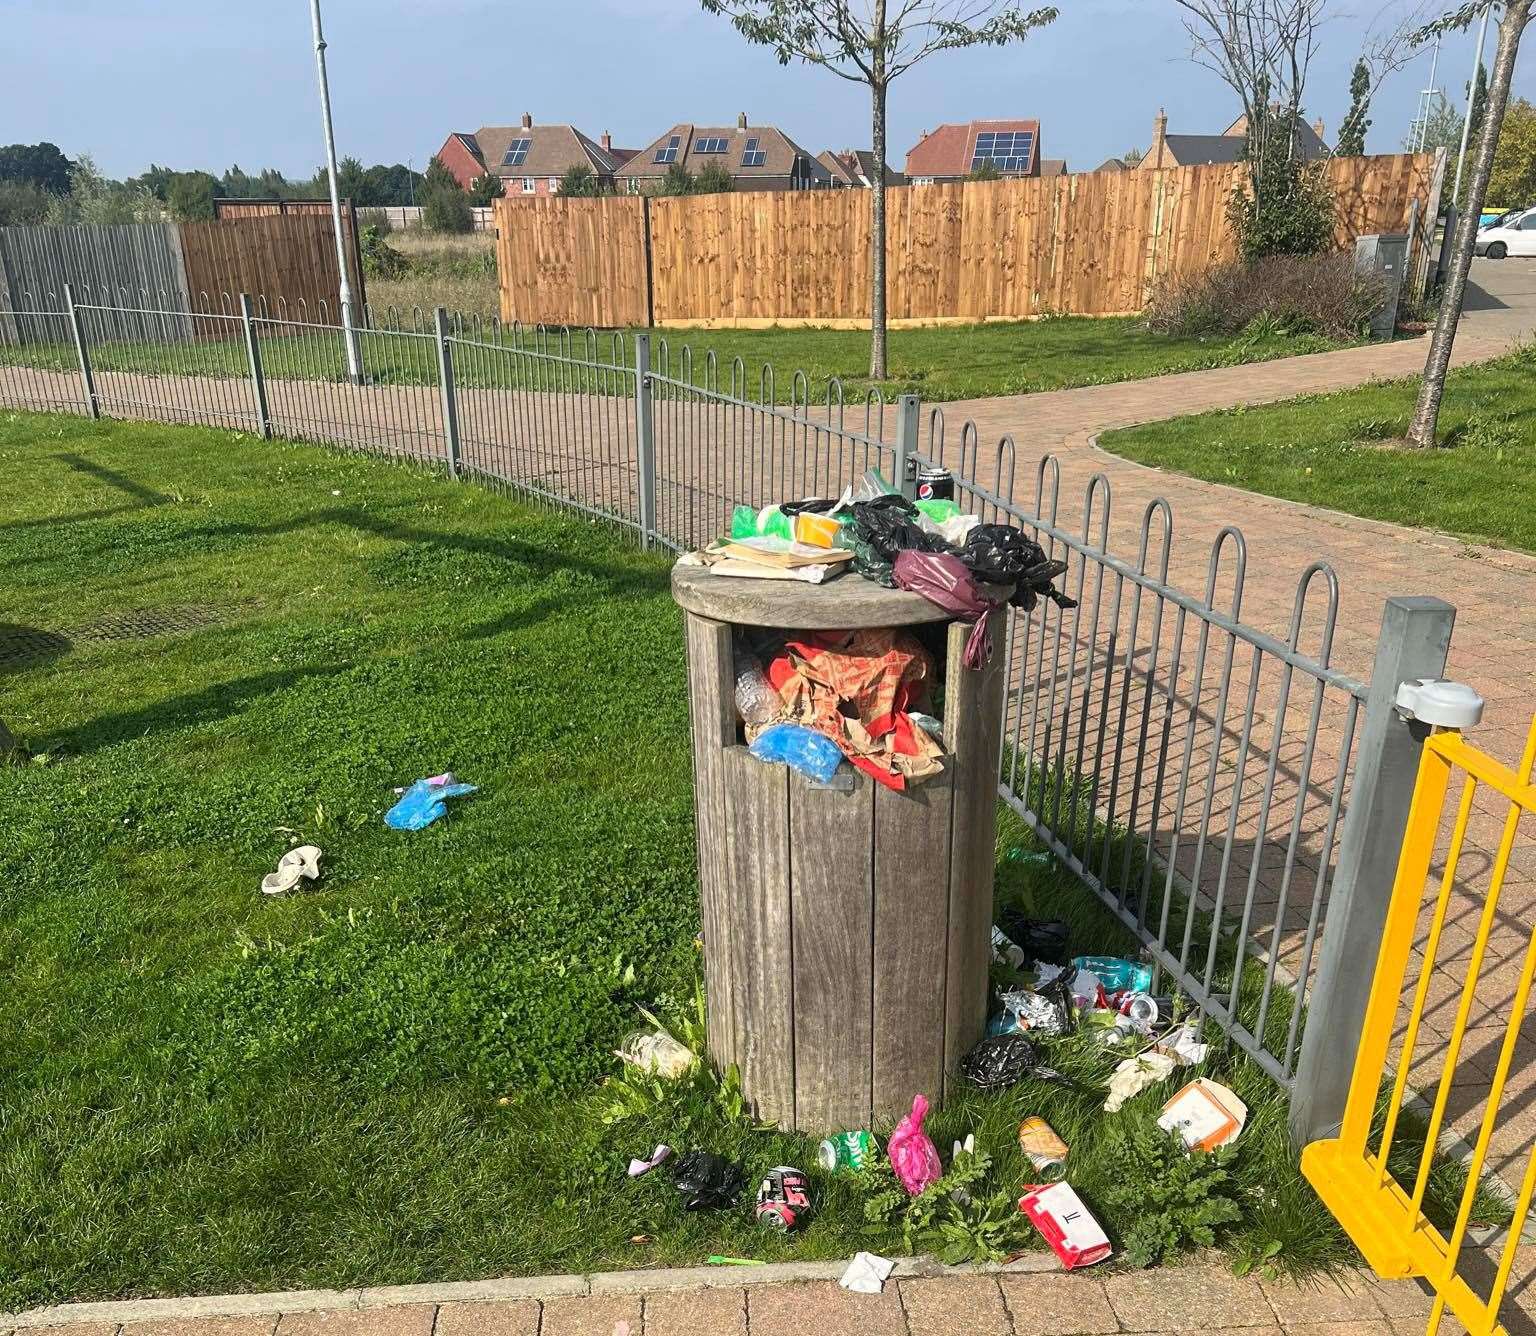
[[39, 184]]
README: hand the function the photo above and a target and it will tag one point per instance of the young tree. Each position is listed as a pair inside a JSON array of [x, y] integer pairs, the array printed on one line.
[[1351, 140], [1439, 127], [486, 188], [444, 205], [579, 182], [677, 180], [1288, 208], [986, 172], [1513, 181], [190, 195], [1517, 13], [1132, 156], [873, 42], [713, 178], [1479, 97]]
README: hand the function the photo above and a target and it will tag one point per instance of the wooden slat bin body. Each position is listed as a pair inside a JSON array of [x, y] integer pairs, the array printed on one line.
[[846, 934]]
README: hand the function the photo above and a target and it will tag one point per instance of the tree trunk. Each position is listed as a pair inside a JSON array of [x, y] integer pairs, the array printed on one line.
[[1426, 413], [877, 238]]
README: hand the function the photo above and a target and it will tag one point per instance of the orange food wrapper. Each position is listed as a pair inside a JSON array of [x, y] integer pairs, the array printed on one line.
[[1205, 1113]]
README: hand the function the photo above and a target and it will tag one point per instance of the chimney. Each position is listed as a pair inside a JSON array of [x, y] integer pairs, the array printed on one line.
[[1159, 137], [1317, 125], [607, 142], [741, 121], [527, 121]]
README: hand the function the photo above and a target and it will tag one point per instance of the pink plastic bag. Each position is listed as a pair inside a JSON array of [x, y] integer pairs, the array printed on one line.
[[947, 581], [913, 1156]]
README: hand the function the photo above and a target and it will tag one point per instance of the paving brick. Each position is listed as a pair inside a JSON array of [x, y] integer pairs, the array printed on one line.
[[514, 1317], [598, 1316], [1201, 1297], [1364, 1327], [1341, 1298], [204, 1326], [1399, 1298], [954, 1306], [1058, 1305], [78, 1329], [408, 1320], [822, 1309], [696, 1313]]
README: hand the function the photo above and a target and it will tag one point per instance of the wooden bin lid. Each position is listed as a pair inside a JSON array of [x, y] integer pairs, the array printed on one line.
[[847, 602]]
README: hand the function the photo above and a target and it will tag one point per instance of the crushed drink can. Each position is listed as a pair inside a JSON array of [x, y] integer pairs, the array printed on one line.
[[1043, 1149], [784, 1199], [846, 1150], [935, 484]]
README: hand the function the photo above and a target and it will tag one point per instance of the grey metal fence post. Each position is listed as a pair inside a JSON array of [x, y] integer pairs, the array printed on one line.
[[87, 380], [445, 383], [645, 438], [253, 356], [905, 480], [1415, 639]]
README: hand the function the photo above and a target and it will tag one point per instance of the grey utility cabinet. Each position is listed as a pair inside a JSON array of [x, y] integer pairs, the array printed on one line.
[[846, 934]]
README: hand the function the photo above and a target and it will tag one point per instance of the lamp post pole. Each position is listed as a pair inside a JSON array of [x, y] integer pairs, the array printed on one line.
[[349, 335], [1466, 121]]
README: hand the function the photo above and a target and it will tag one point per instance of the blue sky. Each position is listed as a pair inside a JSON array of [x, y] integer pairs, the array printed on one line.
[[206, 83]]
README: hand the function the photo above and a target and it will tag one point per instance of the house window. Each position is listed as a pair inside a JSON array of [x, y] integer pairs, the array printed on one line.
[[517, 150], [709, 145], [668, 151], [554, 182], [1006, 150], [529, 185], [752, 156]]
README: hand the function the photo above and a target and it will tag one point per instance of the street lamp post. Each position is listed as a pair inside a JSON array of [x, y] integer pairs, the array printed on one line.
[[1466, 121], [349, 334]]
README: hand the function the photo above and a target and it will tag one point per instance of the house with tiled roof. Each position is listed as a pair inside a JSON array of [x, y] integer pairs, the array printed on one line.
[[529, 158], [953, 152], [855, 168], [758, 157], [1195, 150]]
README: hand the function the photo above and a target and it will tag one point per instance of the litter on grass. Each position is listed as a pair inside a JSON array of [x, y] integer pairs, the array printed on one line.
[[300, 864], [425, 800], [784, 1199], [1066, 1224], [708, 1182], [656, 1052], [913, 1155], [1205, 1114], [637, 1167], [867, 1273], [1136, 1074]]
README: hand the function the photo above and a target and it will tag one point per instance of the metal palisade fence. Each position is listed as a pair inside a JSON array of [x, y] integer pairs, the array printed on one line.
[[1233, 799]]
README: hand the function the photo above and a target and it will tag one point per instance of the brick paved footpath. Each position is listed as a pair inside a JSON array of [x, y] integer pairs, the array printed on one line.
[[1203, 1297]]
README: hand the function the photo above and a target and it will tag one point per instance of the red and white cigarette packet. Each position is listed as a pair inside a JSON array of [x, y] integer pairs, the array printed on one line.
[[1066, 1224]]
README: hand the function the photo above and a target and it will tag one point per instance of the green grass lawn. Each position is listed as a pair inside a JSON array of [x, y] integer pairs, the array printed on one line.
[[396, 1076], [1324, 449], [951, 362]]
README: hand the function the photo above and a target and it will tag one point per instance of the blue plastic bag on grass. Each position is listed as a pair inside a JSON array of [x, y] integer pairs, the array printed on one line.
[[813, 754], [422, 803]]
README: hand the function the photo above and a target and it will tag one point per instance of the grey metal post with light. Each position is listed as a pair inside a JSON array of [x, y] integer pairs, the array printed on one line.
[[1415, 640], [349, 333], [1466, 120]]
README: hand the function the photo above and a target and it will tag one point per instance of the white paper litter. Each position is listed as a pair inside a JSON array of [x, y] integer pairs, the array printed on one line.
[[1134, 1075], [867, 1273]]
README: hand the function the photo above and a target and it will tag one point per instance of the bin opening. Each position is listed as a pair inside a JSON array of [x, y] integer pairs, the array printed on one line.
[[874, 693]]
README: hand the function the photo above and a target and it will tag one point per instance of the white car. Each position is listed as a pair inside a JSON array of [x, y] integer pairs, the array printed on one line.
[[1514, 234]]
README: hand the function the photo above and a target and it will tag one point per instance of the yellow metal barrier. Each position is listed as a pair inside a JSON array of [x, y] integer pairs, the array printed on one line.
[[1385, 1219]]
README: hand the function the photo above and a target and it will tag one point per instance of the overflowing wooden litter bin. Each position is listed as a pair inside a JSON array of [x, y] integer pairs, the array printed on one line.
[[846, 933]]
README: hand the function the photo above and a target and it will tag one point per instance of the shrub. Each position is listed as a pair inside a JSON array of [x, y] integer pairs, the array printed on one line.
[[377, 219], [380, 259], [1278, 294], [713, 179], [1284, 205], [445, 210], [579, 182], [486, 188]]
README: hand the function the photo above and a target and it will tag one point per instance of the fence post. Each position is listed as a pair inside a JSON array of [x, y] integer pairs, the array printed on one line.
[[87, 380], [253, 356], [905, 480], [445, 383], [645, 438], [1415, 639]]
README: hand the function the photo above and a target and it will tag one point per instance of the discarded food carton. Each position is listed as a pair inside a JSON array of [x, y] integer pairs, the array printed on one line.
[[1205, 1113], [1066, 1224]]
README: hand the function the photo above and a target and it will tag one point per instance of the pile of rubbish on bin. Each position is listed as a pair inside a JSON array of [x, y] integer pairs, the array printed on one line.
[[928, 546], [1043, 998]]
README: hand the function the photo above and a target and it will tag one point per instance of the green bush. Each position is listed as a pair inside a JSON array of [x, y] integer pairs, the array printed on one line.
[[445, 210], [713, 179], [377, 219], [486, 188], [1271, 297], [1285, 206], [579, 181]]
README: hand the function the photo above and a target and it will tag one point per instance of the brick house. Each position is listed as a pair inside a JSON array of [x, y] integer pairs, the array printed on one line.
[[855, 168], [529, 158], [758, 157], [953, 152], [1194, 150]]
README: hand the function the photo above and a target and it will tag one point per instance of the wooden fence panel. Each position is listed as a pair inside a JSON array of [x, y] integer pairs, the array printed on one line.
[[286, 262], [572, 261], [1086, 244]]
